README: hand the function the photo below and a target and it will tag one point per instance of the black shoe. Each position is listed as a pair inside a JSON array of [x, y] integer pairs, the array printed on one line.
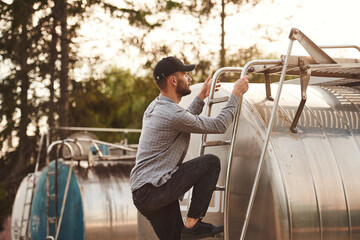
[[201, 230]]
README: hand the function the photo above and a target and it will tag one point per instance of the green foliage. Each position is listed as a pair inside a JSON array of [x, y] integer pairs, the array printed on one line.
[[116, 101]]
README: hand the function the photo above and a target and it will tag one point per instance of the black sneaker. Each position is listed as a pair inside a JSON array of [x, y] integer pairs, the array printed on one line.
[[201, 230]]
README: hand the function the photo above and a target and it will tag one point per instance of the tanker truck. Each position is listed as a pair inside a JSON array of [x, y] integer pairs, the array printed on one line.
[[290, 161]]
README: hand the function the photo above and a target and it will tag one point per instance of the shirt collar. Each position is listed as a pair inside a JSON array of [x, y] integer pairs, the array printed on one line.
[[164, 98]]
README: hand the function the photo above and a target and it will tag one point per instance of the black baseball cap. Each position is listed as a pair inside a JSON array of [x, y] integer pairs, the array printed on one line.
[[169, 65]]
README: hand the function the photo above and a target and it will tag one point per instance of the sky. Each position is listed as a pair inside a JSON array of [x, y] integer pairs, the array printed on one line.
[[326, 22]]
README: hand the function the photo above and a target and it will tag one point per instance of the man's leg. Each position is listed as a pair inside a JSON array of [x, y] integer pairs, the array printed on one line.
[[201, 172], [167, 222]]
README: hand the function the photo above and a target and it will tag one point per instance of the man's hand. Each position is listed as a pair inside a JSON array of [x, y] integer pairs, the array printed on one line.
[[205, 89], [241, 86]]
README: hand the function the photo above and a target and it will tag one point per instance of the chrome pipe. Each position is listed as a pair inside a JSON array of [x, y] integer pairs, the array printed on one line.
[[105, 143], [233, 139], [340, 46], [124, 130], [66, 192], [261, 161]]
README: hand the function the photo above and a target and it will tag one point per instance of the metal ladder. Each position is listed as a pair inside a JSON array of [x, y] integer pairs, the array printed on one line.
[[320, 58], [25, 217], [27, 206], [57, 220], [54, 196], [205, 144]]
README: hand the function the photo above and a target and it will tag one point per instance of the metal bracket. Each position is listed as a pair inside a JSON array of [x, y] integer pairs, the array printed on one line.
[[315, 52], [305, 73], [267, 87]]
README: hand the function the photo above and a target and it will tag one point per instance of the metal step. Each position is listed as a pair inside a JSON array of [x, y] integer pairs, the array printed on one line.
[[216, 143], [51, 195], [81, 158], [218, 100], [220, 188], [51, 219]]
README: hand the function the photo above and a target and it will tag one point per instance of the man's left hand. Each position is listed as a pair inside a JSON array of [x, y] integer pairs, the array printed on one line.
[[205, 89]]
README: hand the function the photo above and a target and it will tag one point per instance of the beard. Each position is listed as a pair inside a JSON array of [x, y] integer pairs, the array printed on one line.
[[183, 89]]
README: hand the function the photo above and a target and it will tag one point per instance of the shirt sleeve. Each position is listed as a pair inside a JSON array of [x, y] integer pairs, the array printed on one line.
[[185, 121], [196, 106]]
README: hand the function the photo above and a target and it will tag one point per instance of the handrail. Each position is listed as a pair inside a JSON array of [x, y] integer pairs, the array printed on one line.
[[243, 71], [58, 225], [340, 46], [124, 130], [65, 194], [261, 161]]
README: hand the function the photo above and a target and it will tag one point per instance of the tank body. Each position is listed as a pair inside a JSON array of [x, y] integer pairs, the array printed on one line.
[[21, 208], [98, 206], [309, 187]]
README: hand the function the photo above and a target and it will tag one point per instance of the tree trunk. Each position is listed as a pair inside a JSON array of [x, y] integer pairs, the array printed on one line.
[[64, 79], [222, 50], [23, 150], [52, 60]]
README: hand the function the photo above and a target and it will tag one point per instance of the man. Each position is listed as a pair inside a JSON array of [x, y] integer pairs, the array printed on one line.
[[160, 177]]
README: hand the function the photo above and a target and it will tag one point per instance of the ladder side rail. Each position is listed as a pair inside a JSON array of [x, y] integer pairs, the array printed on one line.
[[243, 71], [49, 148], [66, 190], [41, 142], [262, 157], [23, 212], [105, 143], [124, 130]]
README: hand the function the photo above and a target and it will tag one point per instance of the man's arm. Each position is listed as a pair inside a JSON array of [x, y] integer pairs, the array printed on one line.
[[186, 121], [197, 105]]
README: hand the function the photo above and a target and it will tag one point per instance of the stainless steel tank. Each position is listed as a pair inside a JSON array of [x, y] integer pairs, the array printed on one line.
[[310, 184], [98, 203]]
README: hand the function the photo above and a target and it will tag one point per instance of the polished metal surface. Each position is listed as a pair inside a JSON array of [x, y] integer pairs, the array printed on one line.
[[309, 187], [109, 212]]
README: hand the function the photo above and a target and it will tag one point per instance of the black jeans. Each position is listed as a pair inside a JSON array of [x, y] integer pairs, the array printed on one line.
[[160, 205]]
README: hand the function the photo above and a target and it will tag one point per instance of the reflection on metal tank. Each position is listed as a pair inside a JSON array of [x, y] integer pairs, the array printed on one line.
[[98, 206], [309, 187]]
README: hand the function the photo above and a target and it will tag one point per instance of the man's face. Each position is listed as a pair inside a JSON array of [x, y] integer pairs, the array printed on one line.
[[183, 83]]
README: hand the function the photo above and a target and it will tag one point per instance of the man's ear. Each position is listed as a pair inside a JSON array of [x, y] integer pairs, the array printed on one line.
[[172, 80]]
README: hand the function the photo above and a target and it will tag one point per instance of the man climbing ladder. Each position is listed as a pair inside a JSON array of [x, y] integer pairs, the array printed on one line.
[[160, 177]]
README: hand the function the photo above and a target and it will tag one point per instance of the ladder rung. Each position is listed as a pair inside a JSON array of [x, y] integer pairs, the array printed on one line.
[[81, 158], [28, 203], [218, 100], [220, 188], [25, 220], [51, 195], [51, 173], [51, 219], [216, 143]]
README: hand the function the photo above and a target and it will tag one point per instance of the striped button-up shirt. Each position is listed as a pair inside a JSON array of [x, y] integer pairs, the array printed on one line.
[[165, 137]]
